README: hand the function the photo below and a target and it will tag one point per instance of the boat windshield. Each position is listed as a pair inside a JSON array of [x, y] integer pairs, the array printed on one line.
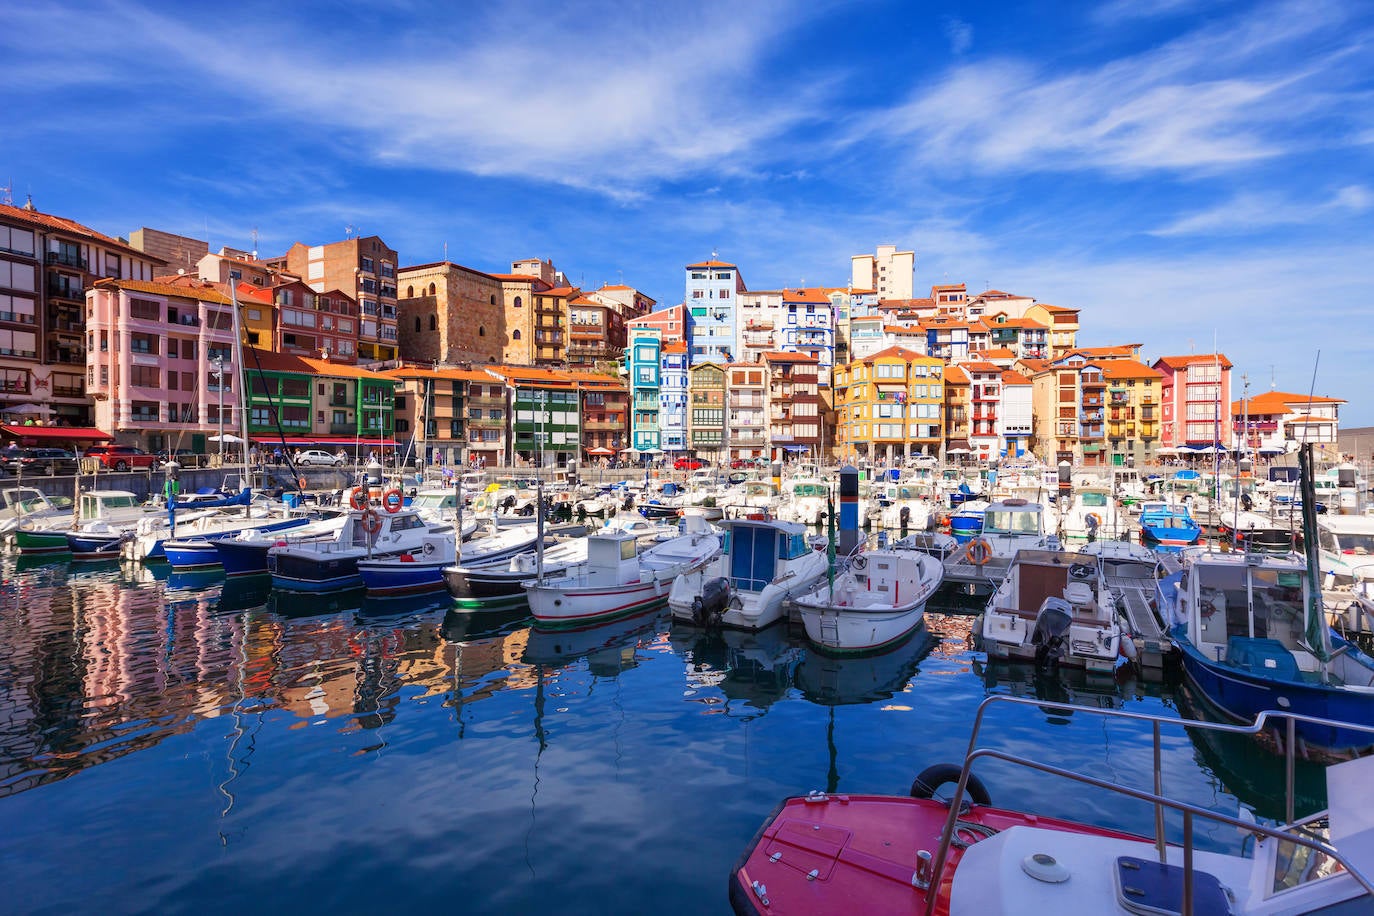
[[1094, 500], [433, 501], [1348, 543], [998, 521], [809, 489], [1226, 592]]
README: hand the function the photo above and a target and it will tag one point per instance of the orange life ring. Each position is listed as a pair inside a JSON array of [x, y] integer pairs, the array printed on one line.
[[358, 498], [302, 483], [979, 552], [392, 500], [371, 521]]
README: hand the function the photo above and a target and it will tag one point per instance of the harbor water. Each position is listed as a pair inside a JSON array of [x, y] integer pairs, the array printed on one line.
[[178, 744]]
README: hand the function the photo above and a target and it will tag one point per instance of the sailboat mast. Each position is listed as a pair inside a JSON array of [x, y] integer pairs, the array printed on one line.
[[241, 375]]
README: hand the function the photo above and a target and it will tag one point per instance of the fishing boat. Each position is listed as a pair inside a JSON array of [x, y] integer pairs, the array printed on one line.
[[618, 579], [410, 572], [1009, 525], [901, 505], [1091, 514], [245, 553], [1167, 526], [966, 522], [316, 566], [487, 569], [193, 547], [1048, 610], [948, 850], [1345, 545], [31, 506], [48, 535], [875, 602], [104, 540], [765, 562], [806, 500], [1254, 635]]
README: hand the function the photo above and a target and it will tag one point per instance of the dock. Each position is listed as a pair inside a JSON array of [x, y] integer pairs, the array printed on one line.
[[1151, 642]]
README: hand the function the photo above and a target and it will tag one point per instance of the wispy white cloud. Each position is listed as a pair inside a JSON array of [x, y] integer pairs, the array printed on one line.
[[1250, 212], [959, 34], [1219, 96], [545, 95], [1122, 11]]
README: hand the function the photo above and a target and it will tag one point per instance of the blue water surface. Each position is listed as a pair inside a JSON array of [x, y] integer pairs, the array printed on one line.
[[183, 745]]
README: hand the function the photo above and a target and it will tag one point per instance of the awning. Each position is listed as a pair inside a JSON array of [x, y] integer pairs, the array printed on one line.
[[56, 433], [600, 451], [796, 448], [300, 441]]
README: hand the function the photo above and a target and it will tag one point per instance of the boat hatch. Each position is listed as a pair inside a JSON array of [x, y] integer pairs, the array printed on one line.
[[1143, 886], [807, 847]]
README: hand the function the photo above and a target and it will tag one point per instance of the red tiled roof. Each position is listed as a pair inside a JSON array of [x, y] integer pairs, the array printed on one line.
[[711, 263], [955, 375], [202, 290], [62, 224], [806, 294], [778, 357], [1127, 368], [1279, 402], [901, 353], [980, 367], [1010, 377], [998, 353], [1181, 362]]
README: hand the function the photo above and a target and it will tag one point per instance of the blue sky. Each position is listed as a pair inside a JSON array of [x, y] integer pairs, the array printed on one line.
[[1178, 170]]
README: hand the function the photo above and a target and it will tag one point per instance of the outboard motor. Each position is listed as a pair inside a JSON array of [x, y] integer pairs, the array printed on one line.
[[709, 607], [1051, 636]]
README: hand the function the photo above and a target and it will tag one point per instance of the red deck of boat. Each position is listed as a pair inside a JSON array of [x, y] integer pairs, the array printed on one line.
[[862, 849]]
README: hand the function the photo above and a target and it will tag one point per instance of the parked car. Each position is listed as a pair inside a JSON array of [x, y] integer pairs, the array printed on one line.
[[688, 464], [121, 457], [315, 456], [746, 463], [31, 461]]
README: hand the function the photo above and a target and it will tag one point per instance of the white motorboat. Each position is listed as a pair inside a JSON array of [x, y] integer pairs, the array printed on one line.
[[618, 579], [332, 565], [1092, 514], [1047, 610], [806, 500], [765, 562], [902, 505], [877, 601], [1345, 545]]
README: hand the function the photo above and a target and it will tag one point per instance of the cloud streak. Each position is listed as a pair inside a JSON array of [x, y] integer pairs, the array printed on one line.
[[1248, 213]]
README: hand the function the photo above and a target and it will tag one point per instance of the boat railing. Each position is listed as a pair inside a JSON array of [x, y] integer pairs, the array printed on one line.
[[1262, 723]]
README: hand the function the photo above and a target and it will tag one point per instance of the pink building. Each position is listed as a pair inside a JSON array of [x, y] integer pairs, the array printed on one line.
[[1194, 397], [153, 348]]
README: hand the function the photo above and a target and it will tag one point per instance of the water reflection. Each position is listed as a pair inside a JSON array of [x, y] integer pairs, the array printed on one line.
[[751, 671], [608, 648], [830, 680]]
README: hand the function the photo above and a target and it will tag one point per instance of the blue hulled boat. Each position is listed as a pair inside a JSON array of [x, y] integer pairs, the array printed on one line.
[[1253, 636], [199, 551], [1167, 526]]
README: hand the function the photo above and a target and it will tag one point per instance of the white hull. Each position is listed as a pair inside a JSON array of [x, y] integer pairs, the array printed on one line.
[[880, 600]]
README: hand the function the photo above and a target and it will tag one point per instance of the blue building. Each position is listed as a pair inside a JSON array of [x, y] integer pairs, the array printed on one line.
[[710, 299], [672, 398], [643, 356]]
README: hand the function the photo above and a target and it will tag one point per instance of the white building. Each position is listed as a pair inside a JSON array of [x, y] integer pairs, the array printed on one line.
[[711, 291], [888, 272]]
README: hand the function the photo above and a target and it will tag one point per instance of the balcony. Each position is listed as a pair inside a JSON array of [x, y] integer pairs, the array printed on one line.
[[1094, 381], [66, 259], [72, 291]]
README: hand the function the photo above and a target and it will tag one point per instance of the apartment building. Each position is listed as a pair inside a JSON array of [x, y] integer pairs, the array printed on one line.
[[1133, 411], [889, 406], [529, 276], [596, 331], [957, 411], [545, 413], [794, 406], [47, 264], [1194, 391], [311, 402], [364, 269], [674, 324], [160, 362], [706, 421], [1275, 422], [291, 317], [808, 326], [985, 413], [711, 290], [758, 324], [605, 406], [1017, 414], [672, 398], [1070, 410], [643, 366], [888, 272], [747, 411], [435, 409]]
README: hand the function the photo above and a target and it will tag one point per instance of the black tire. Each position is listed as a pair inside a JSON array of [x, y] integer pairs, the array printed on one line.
[[121, 465], [933, 777]]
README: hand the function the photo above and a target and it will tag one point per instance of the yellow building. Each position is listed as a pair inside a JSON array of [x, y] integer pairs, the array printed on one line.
[[889, 405], [1132, 411]]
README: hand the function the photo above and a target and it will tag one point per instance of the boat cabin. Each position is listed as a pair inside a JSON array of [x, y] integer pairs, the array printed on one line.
[[612, 558], [98, 504], [1013, 517], [435, 500], [1250, 615], [1037, 576], [758, 552]]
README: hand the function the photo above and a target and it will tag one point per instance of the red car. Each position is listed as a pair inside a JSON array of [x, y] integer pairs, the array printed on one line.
[[688, 464], [121, 457]]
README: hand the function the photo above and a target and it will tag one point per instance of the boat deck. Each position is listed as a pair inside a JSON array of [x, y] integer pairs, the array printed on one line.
[[968, 578], [1150, 640]]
